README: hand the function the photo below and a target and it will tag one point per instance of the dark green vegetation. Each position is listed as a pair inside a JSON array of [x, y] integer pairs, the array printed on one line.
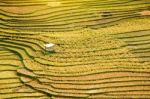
[[102, 49]]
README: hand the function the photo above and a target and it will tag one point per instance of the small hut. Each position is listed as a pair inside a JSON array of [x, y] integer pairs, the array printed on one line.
[[49, 47]]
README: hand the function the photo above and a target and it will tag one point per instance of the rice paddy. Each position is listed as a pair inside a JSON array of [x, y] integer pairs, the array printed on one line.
[[102, 49]]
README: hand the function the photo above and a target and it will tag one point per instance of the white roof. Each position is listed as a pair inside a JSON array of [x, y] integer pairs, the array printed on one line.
[[49, 45]]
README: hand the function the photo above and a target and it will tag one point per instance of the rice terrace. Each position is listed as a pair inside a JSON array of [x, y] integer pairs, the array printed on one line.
[[74, 49]]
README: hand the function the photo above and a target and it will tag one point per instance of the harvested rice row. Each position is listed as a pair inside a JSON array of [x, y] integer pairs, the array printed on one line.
[[64, 24], [10, 85]]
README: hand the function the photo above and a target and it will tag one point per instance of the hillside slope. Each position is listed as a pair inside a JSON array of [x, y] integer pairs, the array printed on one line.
[[102, 49]]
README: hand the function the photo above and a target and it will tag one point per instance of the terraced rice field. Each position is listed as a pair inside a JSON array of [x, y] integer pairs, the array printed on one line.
[[102, 49]]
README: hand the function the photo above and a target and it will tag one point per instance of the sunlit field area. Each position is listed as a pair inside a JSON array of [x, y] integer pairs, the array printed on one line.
[[101, 49]]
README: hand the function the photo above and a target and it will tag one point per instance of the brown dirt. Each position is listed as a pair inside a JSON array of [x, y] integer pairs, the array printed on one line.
[[146, 12], [21, 10]]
